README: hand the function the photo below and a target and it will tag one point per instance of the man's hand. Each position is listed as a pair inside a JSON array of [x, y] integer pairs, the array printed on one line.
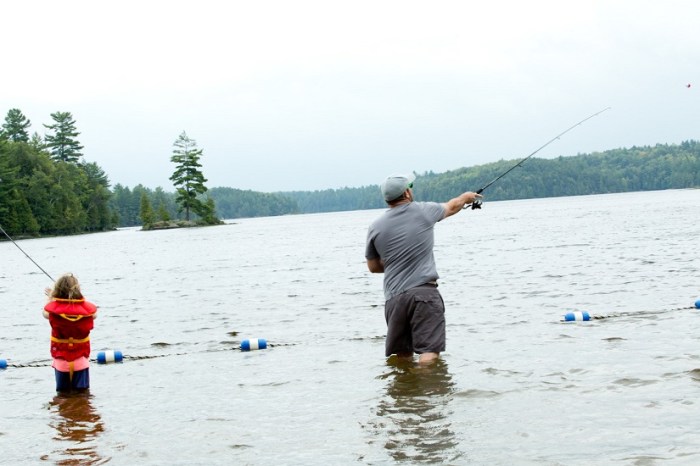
[[455, 205]]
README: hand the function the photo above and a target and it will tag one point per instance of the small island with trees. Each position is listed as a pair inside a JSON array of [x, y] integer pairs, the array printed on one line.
[[189, 184]]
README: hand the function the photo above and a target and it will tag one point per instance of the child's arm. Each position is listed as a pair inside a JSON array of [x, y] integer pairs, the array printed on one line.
[[47, 292]]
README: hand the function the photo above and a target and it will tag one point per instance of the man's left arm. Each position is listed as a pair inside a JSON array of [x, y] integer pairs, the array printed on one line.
[[375, 265]]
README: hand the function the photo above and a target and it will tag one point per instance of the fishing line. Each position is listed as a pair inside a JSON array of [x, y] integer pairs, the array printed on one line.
[[13, 242], [477, 203]]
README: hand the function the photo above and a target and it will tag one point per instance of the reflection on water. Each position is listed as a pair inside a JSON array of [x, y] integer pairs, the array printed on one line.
[[414, 416], [78, 425]]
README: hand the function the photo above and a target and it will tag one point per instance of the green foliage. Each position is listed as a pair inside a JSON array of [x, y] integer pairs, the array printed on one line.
[[60, 200], [162, 214], [40, 196], [95, 198], [127, 203], [226, 202], [336, 200], [188, 178], [62, 144], [236, 203], [36, 142], [207, 213], [146, 212], [15, 214], [15, 127], [166, 204], [620, 170]]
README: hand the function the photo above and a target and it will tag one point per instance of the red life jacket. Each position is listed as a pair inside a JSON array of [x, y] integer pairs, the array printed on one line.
[[71, 321]]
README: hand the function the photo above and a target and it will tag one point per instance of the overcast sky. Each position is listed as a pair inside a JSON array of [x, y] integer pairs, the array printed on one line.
[[305, 95]]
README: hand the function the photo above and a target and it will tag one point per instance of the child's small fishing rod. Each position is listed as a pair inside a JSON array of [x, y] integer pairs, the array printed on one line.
[[13, 242], [477, 203]]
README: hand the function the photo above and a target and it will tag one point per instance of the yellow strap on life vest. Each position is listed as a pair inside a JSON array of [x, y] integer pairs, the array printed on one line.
[[72, 318], [71, 367], [66, 300], [70, 341]]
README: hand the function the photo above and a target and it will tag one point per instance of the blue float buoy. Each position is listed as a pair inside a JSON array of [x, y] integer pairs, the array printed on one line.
[[577, 316], [3, 364], [697, 304], [110, 356], [253, 344]]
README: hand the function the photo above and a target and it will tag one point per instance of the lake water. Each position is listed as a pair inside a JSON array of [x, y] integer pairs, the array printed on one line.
[[515, 386]]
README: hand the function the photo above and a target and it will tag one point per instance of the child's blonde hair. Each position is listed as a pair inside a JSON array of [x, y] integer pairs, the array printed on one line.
[[67, 287]]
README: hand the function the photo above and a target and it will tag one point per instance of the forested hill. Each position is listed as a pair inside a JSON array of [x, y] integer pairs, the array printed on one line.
[[44, 194], [644, 168]]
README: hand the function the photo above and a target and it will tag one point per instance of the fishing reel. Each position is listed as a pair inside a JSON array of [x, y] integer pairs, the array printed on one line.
[[474, 205]]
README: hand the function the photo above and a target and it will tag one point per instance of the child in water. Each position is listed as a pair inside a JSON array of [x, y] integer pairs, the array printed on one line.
[[71, 318]]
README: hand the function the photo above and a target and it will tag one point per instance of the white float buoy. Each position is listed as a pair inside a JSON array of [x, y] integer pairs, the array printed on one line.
[[577, 317], [253, 344], [110, 356]]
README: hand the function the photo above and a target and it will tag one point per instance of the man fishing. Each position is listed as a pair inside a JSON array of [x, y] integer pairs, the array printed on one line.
[[400, 245]]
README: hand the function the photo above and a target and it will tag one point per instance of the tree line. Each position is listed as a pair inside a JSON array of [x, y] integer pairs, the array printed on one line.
[[132, 203], [46, 188], [646, 168]]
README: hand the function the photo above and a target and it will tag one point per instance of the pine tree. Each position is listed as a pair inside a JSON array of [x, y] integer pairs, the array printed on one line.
[[8, 182], [15, 126], [62, 143], [187, 178], [95, 197], [208, 212], [36, 142], [146, 212], [162, 213]]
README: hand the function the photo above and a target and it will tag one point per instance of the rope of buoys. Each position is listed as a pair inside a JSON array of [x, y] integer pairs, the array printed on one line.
[[4, 364], [584, 316], [252, 344], [117, 356]]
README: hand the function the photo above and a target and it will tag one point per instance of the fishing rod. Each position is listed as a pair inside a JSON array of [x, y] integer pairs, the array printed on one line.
[[13, 242], [477, 203]]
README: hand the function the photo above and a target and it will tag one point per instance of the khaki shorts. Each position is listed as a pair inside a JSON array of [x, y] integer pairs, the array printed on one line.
[[415, 321]]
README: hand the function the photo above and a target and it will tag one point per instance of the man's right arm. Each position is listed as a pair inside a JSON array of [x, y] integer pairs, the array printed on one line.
[[457, 204]]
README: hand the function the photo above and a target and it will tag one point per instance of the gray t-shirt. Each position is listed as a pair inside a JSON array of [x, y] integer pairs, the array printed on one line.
[[403, 238]]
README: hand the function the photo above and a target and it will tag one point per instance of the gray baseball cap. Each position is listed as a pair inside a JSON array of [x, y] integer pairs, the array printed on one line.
[[395, 185]]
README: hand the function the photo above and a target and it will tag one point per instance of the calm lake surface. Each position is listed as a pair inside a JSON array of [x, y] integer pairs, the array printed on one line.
[[515, 386]]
